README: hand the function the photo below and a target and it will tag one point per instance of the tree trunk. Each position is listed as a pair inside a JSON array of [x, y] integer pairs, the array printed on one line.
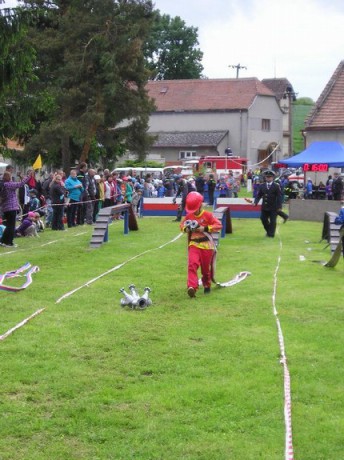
[[65, 150], [84, 157]]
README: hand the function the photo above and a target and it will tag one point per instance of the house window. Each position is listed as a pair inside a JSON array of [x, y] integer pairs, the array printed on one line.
[[187, 155], [265, 124]]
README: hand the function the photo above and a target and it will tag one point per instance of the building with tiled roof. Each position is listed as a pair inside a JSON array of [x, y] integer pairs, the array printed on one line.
[[326, 120], [194, 118], [285, 95]]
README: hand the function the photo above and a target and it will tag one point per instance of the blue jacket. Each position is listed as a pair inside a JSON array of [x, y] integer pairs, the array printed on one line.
[[74, 192]]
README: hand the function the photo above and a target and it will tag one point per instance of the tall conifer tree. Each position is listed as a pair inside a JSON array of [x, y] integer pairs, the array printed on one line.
[[90, 61]]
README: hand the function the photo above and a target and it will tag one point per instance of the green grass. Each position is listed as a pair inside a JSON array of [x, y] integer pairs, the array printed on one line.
[[185, 378], [300, 113]]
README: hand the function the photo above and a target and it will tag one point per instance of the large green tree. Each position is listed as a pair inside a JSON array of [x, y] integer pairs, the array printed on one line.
[[172, 49], [89, 60], [17, 63]]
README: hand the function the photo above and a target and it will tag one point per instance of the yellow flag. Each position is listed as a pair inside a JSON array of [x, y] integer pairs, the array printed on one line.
[[38, 163]]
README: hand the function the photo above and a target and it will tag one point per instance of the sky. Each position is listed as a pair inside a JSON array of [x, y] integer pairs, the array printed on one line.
[[301, 40]]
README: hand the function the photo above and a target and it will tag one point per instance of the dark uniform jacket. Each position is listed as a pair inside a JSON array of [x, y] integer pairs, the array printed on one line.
[[271, 195]]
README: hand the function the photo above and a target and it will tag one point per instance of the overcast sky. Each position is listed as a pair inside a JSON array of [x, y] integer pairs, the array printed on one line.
[[302, 40]]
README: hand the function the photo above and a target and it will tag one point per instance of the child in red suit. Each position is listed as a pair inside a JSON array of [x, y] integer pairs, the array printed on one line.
[[199, 224]]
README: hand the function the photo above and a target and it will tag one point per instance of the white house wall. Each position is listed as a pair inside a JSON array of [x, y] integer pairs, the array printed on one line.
[[245, 127], [264, 108], [234, 122], [333, 135]]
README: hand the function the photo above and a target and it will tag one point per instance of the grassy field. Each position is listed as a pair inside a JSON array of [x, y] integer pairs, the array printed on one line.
[[185, 378]]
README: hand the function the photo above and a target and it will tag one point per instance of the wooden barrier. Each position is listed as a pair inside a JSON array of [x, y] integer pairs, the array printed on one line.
[[330, 231], [224, 215], [163, 207], [159, 207], [239, 207], [100, 230]]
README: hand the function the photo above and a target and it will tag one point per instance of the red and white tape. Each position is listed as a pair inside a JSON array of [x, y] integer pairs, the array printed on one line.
[[289, 451]]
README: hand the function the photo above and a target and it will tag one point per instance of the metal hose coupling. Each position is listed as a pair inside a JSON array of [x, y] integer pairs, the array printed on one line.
[[134, 300], [191, 224]]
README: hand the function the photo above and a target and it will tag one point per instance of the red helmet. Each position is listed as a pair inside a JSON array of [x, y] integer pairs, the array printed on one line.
[[194, 201]]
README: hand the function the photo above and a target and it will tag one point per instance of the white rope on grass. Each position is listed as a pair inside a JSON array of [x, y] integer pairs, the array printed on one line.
[[68, 294], [22, 323], [289, 451], [50, 242]]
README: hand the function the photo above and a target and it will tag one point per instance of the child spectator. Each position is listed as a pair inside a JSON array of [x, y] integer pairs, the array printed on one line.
[[34, 202], [28, 226], [161, 190], [2, 228]]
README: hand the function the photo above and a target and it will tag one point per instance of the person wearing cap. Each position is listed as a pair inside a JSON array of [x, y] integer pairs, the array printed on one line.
[[199, 224], [34, 202], [184, 188], [271, 195], [74, 188]]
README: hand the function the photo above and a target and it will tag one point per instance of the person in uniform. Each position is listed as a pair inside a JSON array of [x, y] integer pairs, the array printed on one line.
[[271, 195], [199, 224]]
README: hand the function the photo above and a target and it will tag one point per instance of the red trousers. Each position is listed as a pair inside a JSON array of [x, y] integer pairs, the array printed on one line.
[[199, 258]]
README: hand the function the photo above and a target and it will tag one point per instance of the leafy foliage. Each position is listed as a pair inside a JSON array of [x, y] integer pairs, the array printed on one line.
[[89, 61], [304, 101], [17, 71], [300, 113], [172, 51]]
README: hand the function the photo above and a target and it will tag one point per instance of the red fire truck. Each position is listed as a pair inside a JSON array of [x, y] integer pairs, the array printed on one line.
[[219, 165]]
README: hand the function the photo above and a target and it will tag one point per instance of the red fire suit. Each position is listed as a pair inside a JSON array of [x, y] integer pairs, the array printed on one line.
[[201, 247]]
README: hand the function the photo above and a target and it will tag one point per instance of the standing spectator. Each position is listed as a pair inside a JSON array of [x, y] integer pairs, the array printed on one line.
[[200, 182], [57, 194], [97, 205], [34, 202], [256, 185], [271, 194], [90, 195], [337, 187], [10, 205], [148, 187], [328, 189], [222, 188], [46, 193], [101, 187], [136, 200], [230, 184], [110, 191], [81, 175], [184, 188], [74, 188], [309, 190], [168, 184], [211, 183], [161, 190], [236, 188]]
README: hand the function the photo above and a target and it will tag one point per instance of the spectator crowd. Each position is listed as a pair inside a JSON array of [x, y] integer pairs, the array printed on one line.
[[73, 199]]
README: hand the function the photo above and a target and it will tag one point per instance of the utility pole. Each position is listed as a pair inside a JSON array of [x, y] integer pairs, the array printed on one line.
[[237, 67], [291, 96]]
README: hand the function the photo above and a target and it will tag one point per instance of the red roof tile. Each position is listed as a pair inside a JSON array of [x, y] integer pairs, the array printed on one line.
[[328, 111], [279, 86], [205, 95]]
